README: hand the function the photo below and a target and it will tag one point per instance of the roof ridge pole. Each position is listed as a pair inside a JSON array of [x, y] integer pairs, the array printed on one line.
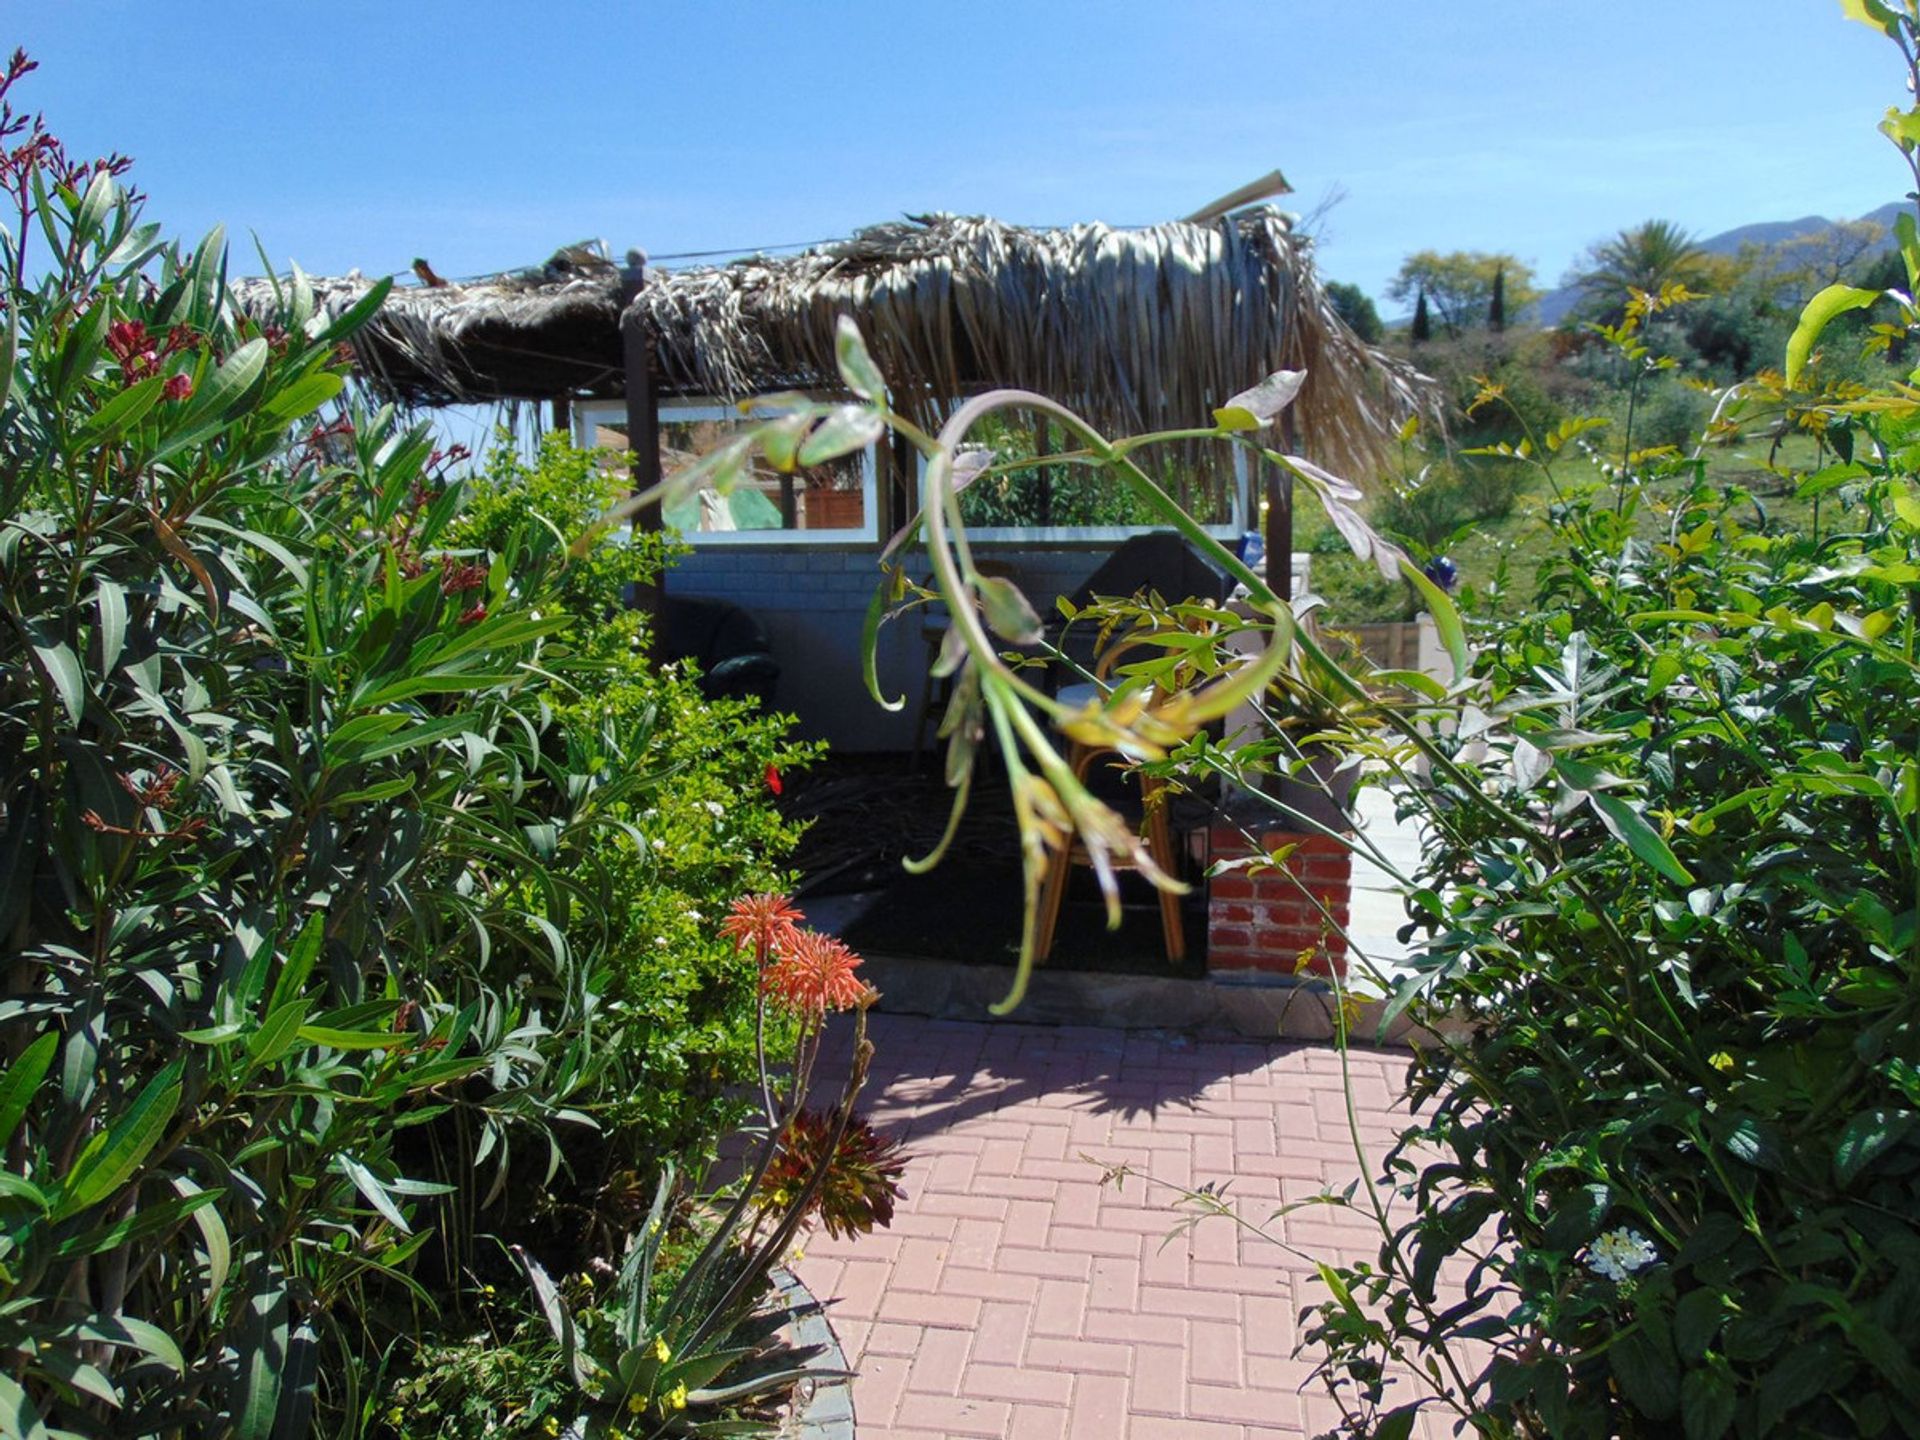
[[642, 391]]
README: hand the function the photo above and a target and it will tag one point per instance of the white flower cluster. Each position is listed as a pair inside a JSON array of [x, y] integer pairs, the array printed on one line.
[[1618, 1253]]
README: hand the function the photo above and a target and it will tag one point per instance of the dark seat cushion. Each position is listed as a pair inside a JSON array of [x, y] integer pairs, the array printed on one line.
[[725, 642]]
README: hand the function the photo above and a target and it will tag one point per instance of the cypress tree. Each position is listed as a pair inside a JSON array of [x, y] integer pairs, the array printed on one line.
[[1497, 311], [1422, 330]]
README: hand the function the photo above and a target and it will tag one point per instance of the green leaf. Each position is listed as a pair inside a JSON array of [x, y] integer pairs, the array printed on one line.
[[1908, 237], [846, 430], [870, 647], [1577, 1218], [19, 1419], [1007, 610], [1331, 1279], [99, 1172], [70, 1370], [1799, 1373], [431, 685], [111, 601], [1874, 14], [122, 411], [1754, 1142], [356, 314], [1627, 825], [136, 1228], [1696, 1320], [1707, 1403], [62, 667], [1397, 1424], [300, 959], [262, 1349], [266, 543], [1662, 673], [857, 370], [22, 1080], [1902, 127], [368, 1184], [1647, 1373], [372, 794], [1820, 311], [1446, 619], [278, 1034], [1868, 1136], [304, 396], [209, 279], [228, 387], [349, 1039], [129, 1334], [213, 1231], [1259, 407], [559, 1318]]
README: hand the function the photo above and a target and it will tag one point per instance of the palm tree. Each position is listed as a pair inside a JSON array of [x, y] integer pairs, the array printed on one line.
[[1644, 257]]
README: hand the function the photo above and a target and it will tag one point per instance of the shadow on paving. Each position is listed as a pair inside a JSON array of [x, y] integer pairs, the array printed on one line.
[[966, 1070]]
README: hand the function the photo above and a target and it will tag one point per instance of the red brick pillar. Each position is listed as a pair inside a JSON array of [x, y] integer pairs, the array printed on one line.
[[1278, 919]]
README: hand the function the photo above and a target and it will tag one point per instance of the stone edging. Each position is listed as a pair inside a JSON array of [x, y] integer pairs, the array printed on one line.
[[826, 1413], [1260, 1007]]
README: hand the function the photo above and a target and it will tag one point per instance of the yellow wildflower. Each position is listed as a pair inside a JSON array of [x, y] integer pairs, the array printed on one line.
[[677, 1397], [660, 1350]]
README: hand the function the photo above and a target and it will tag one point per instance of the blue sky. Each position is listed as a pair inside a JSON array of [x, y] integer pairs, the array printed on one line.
[[482, 135]]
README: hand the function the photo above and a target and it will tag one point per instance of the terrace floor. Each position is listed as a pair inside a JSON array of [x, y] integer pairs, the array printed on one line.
[[1016, 1296]]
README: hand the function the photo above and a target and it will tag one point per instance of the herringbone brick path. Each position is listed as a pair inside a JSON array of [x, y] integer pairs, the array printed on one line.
[[1015, 1296]]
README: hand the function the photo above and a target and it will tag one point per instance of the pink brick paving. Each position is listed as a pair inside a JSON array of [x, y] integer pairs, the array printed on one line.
[[1014, 1296]]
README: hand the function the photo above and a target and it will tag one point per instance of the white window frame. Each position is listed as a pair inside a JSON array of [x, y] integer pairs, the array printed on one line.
[[1233, 529], [589, 415]]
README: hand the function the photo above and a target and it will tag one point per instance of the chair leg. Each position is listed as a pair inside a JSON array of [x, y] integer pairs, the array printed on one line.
[[1053, 894], [1160, 846]]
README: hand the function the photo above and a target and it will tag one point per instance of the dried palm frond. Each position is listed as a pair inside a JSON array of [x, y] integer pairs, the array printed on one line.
[[1137, 330]]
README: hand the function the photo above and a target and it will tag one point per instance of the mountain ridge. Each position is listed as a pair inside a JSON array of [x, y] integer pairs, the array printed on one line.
[[1554, 306]]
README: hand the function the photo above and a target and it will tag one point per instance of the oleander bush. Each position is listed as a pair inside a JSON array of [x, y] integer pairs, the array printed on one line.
[[359, 875]]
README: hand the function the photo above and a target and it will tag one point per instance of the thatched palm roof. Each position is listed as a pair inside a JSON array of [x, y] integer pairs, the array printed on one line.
[[1137, 329]]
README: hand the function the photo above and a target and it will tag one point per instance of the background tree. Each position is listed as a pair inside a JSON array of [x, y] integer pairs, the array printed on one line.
[[1422, 330], [1644, 257], [1459, 285], [1497, 307], [1353, 305], [1833, 255]]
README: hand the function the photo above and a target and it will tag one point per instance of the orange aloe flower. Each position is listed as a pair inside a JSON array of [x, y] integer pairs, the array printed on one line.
[[766, 924], [815, 974]]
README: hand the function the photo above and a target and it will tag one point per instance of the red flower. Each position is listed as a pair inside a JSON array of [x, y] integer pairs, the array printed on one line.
[[814, 974], [457, 579], [862, 1180], [178, 387], [129, 343], [474, 616], [773, 780], [767, 924]]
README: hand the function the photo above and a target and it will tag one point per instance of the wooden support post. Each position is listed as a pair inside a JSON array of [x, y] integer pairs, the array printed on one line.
[[1043, 477], [1278, 490], [902, 487], [643, 426], [563, 415], [1279, 527]]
